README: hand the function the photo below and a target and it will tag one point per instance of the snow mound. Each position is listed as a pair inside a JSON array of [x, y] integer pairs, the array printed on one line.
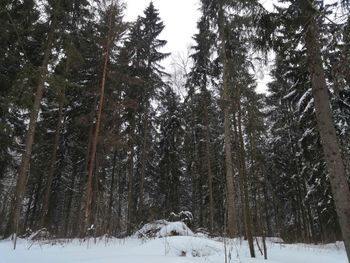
[[163, 228], [151, 229], [175, 229]]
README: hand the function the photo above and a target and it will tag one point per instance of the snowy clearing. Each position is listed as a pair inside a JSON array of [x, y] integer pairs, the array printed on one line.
[[176, 249]]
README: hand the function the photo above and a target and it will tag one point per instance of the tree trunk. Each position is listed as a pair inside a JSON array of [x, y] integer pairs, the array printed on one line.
[[194, 166], [34, 218], [79, 223], [230, 197], [210, 177], [120, 194], [89, 190], [111, 196], [143, 165], [244, 182], [70, 200], [332, 153], [129, 223], [30, 201], [13, 225]]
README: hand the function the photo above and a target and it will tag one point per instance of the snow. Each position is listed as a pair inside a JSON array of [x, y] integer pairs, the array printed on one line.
[[177, 228], [173, 249], [289, 95], [303, 99], [163, 228]]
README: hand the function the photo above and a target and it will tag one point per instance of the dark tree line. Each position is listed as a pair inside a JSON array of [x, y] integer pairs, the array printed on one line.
[[95, 138]]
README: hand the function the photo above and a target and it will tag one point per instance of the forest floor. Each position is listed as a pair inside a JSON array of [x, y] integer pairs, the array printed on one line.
[[176, 249]]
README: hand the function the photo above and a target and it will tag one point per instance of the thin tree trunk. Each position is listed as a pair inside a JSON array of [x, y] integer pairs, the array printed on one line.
[[202, 209], [240, 209], [335, 165], [143, 165], [69, 205], [111, 196], [253, 173], [89, 190], [129, 223], [264, 244], [244, 182], [80, 218], [26, 217], [210, 177], [194, 171], [95, 206], [299, 197], [35, 204], [120, 193], [22, 174]]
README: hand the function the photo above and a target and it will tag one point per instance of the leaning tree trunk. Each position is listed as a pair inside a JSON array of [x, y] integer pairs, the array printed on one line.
[[13, 224], [89, 190], [330, 144]]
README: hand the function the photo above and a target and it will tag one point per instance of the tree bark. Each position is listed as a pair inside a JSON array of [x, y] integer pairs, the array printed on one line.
[[13, 225], [329, 141]]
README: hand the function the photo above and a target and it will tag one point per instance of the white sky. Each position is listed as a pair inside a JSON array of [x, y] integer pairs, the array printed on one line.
[[179, 17]]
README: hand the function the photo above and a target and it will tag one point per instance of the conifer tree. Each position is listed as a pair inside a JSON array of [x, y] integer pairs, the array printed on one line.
[[23, 170]]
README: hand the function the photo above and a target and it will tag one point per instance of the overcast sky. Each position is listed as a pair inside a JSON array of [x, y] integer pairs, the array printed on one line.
[[179, 16]]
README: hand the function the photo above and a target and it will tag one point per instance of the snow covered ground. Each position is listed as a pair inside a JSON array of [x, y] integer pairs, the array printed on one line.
[[176, 249]]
